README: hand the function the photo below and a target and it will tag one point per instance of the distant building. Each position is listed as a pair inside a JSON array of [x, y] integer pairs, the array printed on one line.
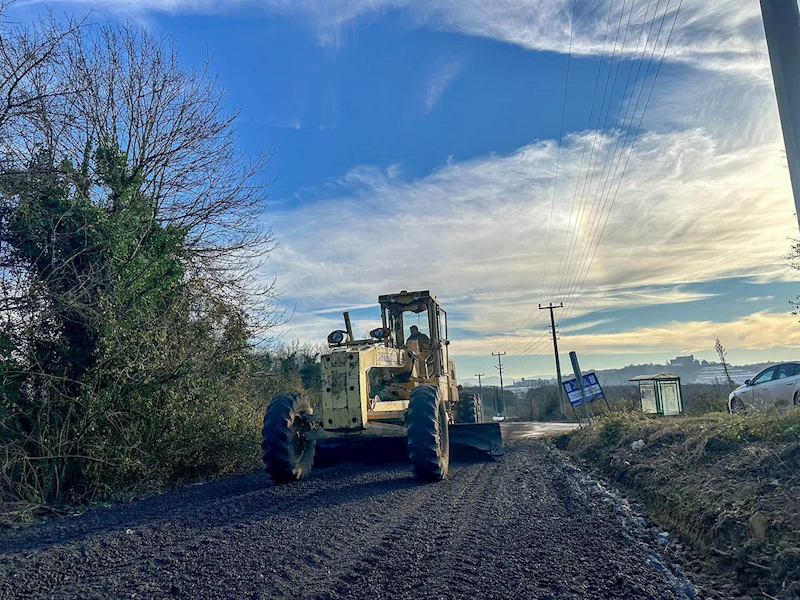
[[521, 386], [683, 361]]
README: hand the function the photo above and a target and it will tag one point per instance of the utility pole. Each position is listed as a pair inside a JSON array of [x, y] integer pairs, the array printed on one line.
[[500, 368], [551, 307], [480, 387], [782, 29]]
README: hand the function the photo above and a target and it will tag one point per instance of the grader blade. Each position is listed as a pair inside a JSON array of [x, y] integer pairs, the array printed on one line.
[[483, 437]]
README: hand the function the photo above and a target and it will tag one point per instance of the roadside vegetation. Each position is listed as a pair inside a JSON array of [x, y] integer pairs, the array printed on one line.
[[727, 484], [134, 332], [541, 403]]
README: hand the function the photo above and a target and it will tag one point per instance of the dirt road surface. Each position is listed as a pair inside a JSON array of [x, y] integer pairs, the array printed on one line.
[[521, 527]]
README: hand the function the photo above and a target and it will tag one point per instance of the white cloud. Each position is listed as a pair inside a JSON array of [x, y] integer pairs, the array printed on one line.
[[759, 331], [441, 77], [758, 299], [722, 35], [687, 211]]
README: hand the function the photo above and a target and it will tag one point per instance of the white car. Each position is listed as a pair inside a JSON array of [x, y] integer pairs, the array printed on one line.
[[778, 385]]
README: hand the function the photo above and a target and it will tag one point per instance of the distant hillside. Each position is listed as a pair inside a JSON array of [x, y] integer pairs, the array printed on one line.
[[691, 373], [686, 367]]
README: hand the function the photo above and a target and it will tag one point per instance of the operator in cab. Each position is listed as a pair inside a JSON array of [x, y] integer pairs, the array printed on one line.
[[423, 340]]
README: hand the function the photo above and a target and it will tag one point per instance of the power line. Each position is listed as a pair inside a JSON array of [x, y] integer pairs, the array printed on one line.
[[633, 143], [572, 236], [596, 151], [560, 142], [558, 160], [591, 110], [586, 246]]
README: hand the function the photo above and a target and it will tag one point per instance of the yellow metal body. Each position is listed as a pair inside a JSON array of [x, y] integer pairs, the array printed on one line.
[[401, 362], [346, 405]]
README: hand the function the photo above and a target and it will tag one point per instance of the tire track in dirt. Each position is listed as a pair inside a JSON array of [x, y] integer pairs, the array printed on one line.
[[425, 522], [520, 527]]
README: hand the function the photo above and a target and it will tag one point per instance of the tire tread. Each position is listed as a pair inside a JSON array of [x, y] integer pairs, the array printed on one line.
[[277, 437], [424, 435]]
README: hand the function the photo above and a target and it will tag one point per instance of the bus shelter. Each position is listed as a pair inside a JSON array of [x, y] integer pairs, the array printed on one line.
[[660, 394]]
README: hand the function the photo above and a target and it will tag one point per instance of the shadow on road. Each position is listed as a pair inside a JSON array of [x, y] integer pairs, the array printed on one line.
[[343, 473]]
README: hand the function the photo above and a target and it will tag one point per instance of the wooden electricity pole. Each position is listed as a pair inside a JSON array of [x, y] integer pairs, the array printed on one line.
[[500, 368], [480, 387], [551, 307]]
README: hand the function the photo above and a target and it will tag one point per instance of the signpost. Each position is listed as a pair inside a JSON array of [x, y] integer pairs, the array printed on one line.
[[591, 388], [583, 389]]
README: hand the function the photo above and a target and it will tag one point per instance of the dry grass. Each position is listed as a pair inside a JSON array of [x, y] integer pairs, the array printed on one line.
[[728, 484]]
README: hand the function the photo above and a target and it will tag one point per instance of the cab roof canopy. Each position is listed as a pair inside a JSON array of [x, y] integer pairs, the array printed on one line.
[[406, 301]]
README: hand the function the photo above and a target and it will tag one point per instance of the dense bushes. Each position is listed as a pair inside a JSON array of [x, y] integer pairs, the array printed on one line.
[[130, 235]]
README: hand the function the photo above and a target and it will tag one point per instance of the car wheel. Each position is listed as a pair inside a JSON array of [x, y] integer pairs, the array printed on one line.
[[737, 406], [797, 398]]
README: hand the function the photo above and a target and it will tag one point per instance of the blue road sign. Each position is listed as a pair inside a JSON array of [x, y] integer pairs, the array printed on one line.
[[591, 386]]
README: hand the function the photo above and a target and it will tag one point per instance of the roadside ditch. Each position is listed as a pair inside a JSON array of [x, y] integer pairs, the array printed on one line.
[[728, 487]]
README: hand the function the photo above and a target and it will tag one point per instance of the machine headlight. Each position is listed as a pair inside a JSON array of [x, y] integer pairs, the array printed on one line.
[[336, 337], [381, 333]]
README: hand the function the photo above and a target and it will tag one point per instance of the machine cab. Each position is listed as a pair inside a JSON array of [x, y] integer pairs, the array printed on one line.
[[418, 324]]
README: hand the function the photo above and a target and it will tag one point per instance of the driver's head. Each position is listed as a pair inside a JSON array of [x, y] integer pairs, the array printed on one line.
[[414, 330]]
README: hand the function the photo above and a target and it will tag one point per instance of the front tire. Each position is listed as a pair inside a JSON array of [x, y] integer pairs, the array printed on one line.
[[737, 406], [428, 435], [469, 409], [288, 455]]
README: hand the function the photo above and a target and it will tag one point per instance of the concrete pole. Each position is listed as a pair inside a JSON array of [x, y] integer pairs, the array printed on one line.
[[782, 29]]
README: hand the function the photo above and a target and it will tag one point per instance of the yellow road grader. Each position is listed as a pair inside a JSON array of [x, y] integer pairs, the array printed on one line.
[[400, 381]]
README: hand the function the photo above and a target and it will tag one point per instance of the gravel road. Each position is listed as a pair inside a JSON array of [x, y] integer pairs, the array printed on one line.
[[522, 527]]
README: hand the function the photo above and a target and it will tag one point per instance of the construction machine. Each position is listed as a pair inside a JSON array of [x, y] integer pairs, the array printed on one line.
[[398, 382]]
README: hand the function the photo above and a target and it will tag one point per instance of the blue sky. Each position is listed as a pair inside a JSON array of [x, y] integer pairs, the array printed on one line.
[[416, 145]]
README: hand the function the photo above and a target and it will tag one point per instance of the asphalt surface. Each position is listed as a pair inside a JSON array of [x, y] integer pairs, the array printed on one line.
[[521, 527]]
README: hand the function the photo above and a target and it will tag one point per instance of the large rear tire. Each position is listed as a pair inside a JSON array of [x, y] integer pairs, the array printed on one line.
[[428, 434], [469, 409], [288, 455]]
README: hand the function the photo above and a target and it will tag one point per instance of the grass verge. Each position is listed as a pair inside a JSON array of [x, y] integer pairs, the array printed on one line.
[[729, 485]]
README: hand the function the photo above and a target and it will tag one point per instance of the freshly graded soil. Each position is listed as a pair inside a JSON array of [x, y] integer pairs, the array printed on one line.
[[522, 527]]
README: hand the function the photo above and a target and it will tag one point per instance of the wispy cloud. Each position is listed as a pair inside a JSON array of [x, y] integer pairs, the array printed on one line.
[[755, 299], [586, 325], [723, 35], [706, 194], [440, 78], [678, 218], [759, 331]]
